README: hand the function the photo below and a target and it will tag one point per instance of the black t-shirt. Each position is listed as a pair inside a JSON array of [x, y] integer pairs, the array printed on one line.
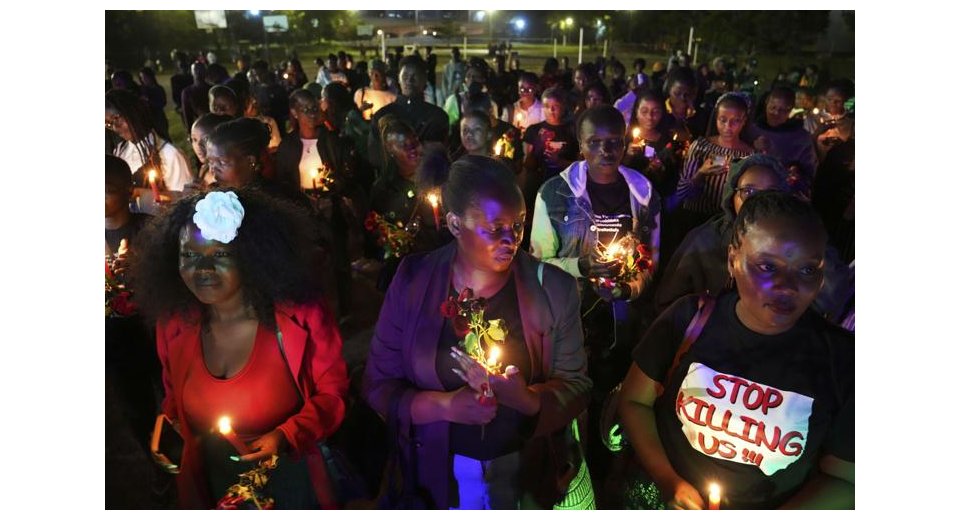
[[508, 430], [611, 209], [751, 412], [127, 231], [543, 135]]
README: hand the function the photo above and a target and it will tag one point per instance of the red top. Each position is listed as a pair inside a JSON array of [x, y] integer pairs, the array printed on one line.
[[258, 398], [312, 344]]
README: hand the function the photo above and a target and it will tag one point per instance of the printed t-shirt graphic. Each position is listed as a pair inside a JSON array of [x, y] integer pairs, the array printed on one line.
[[731, 418]]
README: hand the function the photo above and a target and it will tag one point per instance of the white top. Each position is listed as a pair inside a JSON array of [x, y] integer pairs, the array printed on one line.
[[377, 98], [309, 162], [176, 171], [524, 118]]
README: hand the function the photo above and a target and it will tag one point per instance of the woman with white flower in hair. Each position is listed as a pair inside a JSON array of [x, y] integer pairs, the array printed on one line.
[[242, 333]]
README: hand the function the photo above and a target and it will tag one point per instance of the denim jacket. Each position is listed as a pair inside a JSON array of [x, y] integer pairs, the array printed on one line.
[[564, 227]]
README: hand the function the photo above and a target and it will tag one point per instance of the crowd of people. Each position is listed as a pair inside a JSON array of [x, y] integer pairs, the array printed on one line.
[[599, 289]]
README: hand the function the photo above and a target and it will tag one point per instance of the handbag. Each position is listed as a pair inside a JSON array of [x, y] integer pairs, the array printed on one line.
[[348, 484], [611, 431]]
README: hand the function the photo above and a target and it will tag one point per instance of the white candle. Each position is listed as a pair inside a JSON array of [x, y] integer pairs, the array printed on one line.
[[714, 496]]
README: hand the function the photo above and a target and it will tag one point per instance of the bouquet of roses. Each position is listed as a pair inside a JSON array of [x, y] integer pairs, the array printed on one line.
[[634, 255], [395, 238], [118, 299], [481, 340], [248, 492]]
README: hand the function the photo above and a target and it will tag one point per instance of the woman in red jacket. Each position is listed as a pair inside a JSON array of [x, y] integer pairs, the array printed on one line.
[[241, 333]]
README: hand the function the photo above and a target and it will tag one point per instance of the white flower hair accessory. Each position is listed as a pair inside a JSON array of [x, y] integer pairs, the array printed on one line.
[[218, 216]]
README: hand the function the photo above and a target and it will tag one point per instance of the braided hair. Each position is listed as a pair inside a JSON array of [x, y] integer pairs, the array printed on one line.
[[776, 205], [146, 139]]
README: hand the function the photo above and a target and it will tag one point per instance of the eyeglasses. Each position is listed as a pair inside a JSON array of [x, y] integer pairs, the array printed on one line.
[[748, 191], [525, 90], [312, 109], [615, 143]]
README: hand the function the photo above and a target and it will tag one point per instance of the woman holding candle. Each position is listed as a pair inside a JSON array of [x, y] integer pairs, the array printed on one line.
[[707, 164], [400, 197], [410, 368], [750, 390], [680, 88], [310, 152], [528, 110], [143, 149], [653, 147], [241, 333]]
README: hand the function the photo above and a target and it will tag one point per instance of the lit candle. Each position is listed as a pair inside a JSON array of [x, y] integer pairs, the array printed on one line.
[[518, 119], [152, 177], [435, 204], [636, 134], [612, 251], [498, 148], [714, 496], [313, 176], [227, 431], [493, 356]]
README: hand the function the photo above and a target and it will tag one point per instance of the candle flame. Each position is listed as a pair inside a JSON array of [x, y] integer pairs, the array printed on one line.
[[152, 175], [433, 199], [494, 355], [636, 132], [714, 490], [498, 148], [816, 111], [612, 251], [675, 136], [314, 174], [224, 425]]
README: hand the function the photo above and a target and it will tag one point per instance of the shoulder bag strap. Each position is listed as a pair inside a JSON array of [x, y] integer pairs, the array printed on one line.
[[704, 309]]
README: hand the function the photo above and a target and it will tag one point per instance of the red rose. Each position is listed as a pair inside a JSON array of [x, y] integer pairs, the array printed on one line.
[[371, 221], [642, 249], [465, 294], [123, 305], [449, 309], [461, 326]]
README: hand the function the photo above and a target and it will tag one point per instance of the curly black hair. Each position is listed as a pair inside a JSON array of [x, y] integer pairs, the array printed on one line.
[[274, 248]]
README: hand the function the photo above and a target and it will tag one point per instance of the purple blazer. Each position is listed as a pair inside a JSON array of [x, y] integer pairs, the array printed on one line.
[[402, 358]]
